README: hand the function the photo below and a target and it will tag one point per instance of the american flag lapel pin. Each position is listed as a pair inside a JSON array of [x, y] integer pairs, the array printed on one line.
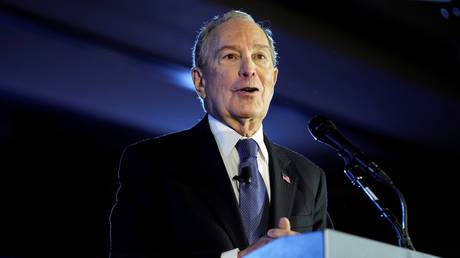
[[286, 178]]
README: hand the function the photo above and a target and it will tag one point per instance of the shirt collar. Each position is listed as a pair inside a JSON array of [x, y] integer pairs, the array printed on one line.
[[227, 138]]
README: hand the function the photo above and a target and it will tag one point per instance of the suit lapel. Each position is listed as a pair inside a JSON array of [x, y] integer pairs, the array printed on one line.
[[282, 189], [214, 185]]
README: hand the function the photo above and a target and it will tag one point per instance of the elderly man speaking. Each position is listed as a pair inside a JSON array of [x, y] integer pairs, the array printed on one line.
[[221, 188]]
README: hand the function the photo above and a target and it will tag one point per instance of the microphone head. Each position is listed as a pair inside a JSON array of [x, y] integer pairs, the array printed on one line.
[[325, 131], [245, 175], [319, 126]]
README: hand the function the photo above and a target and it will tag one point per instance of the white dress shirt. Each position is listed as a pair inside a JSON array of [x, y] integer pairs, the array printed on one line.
[[226, 139]]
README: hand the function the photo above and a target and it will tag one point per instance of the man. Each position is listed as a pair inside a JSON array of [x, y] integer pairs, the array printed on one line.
[[221, 188]]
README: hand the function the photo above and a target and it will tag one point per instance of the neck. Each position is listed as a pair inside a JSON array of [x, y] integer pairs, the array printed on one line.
[[244, 126]]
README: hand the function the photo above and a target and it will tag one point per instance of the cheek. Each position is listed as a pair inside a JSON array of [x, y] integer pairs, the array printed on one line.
[[267, 82], [266, 76], [268, 94], [219, 87]]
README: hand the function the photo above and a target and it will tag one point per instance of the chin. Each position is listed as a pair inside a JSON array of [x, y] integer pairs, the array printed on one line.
[[249, 115], [250, 111]]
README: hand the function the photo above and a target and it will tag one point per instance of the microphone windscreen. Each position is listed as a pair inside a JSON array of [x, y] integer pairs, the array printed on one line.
[[319, 126]]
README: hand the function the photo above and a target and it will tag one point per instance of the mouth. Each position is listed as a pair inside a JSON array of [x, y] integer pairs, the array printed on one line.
[[248, 89]]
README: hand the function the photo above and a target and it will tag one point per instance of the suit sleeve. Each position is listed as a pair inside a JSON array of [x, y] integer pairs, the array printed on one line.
[[320, 216], [135, 230]]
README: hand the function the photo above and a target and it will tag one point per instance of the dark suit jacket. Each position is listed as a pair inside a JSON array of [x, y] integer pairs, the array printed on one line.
[[175, 197]]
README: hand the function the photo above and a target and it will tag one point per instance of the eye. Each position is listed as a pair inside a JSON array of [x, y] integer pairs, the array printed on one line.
[[230, 56], [260, 56]]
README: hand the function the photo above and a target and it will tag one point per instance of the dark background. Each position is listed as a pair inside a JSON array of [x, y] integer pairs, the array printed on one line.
[[79, 80]]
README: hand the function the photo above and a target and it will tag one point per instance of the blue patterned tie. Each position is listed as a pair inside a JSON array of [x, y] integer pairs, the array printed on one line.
[[253, 193]]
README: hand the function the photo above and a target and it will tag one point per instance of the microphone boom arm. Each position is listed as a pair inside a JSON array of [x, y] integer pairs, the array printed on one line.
[[355, 174]]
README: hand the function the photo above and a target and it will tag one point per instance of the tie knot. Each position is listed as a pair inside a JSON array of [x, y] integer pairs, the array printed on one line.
[[247, 148]]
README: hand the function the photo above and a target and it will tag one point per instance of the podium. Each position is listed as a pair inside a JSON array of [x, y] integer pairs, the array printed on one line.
[[332, 244]]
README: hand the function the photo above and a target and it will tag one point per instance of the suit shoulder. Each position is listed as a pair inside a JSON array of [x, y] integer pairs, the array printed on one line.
[[150, 152], [297, 158], [185, 139], [156, 142]]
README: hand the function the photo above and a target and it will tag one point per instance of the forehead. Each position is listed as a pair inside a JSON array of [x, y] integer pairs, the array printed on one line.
[[238, 32]]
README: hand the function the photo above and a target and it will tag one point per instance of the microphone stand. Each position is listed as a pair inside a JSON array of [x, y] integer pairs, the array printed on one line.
[[355, 173], [356, 165]]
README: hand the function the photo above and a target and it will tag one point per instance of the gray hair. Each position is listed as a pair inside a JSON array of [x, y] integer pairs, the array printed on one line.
[[201, 43]]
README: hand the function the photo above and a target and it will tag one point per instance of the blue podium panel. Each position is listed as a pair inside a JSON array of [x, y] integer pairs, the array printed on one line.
[[302, 245], [332, 244]]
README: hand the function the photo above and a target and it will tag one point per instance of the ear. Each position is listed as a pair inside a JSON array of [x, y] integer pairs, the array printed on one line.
[[275, 76], [199, 82]]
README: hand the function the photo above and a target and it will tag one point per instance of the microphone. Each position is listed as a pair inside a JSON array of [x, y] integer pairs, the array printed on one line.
[[325, 131], [245, 175]]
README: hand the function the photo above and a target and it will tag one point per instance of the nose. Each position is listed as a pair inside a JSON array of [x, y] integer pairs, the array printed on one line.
[[247, 68]]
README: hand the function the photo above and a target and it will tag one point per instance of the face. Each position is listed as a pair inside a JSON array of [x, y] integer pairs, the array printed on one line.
[[238, 79]]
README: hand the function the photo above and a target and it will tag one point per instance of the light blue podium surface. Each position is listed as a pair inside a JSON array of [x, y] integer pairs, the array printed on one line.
[[332, 244]]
